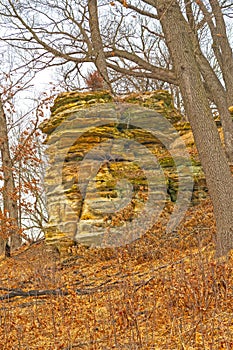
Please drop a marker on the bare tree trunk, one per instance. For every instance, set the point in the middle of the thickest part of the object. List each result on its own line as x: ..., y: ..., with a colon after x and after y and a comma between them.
x: 219, y: 97
x: 221, y: 40
x: 224, y: 55
x: 9, y: 202
x: 218, y: 94
x: 100, y: 60
x: 212, y: 155
x: 2, y: 241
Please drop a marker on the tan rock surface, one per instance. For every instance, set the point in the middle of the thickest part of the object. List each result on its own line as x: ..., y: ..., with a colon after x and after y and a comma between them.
x: 82, y: 179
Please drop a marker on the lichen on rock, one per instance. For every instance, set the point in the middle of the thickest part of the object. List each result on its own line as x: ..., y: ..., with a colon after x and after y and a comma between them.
x: 81, y: 181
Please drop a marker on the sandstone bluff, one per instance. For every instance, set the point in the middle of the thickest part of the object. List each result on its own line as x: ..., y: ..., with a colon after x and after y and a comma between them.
x: 81, y: 180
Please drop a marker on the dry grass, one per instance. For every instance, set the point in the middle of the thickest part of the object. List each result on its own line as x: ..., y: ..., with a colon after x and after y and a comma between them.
x: 161, y: 292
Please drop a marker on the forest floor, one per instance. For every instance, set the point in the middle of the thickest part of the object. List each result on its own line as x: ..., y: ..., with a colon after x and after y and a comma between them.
x: 161, y: 292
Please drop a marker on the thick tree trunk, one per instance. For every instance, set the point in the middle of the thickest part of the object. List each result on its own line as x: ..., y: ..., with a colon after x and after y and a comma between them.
x: 9, y: 203
x: 216, y: 91
x: 212, y: 155
x: 219, y: 97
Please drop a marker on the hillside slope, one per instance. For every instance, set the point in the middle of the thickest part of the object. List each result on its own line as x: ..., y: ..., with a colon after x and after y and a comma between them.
x: 161, y: 292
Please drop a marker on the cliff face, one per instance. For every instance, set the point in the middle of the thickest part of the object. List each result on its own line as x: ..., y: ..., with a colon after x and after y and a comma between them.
x: 114, y: 164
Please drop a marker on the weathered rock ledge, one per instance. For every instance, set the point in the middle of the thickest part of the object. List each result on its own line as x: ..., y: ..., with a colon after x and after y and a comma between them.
x: 95, y: 184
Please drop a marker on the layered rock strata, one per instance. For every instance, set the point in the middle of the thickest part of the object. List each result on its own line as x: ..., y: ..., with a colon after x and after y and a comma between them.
x: 109, y: 158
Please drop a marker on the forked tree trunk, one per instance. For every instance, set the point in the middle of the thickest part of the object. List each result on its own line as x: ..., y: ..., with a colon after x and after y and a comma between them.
x: 9, y: 202
x: 220, y: 95
x: 211, y: 153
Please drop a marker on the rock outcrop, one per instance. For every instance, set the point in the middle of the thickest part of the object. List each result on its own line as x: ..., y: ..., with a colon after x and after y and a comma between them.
x: 102, y: 171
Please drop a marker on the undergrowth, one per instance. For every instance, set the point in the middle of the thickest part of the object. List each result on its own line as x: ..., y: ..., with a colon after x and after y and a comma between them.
x: 161, y: 292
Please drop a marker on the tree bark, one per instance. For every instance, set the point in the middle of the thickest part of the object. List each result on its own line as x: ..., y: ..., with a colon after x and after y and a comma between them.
x: 99, y: 56
x: 220, y: 99
x: 212, y: 155
x: 217, y: 93
x: 9, y: 202
x: 220, y: 39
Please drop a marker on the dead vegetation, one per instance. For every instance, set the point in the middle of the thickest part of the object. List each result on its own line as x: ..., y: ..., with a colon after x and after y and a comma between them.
x: 161, y: 292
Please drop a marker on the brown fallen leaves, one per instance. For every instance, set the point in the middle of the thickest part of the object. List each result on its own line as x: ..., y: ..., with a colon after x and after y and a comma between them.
x: 161, y: 292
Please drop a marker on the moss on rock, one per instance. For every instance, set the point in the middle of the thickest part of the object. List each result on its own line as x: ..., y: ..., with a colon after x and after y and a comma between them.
x: 73, y: 206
